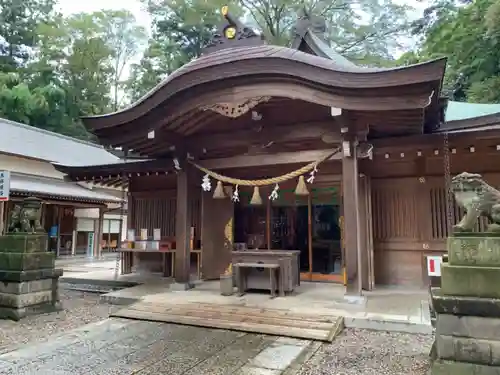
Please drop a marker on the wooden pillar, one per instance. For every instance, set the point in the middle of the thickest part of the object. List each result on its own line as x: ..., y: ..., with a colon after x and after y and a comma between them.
x: 95, y: 247
x: 366, y: 233
x: 183, y: 227
x: 127, y: 217
x: 59, y: 211
x: 216, y: 234
x: 309, y: 235
x: 108, y: 241
x: 73, y: 234
x: 350, y: 188
x: 269, y: 219
x: 98, y: 234
x: 74, y: 237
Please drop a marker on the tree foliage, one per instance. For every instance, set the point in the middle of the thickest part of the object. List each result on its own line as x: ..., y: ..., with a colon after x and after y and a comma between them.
x: 468, y: 34
x: 54, y: 69
x: 367, y: 31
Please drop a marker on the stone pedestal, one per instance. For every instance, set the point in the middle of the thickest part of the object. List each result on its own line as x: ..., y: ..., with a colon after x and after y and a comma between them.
x: 29, y: 282
x: 467, y: 307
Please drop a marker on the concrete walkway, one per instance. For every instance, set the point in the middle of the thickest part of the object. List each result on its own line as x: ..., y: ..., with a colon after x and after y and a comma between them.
x: 385, y: 309
x: 125, y: 347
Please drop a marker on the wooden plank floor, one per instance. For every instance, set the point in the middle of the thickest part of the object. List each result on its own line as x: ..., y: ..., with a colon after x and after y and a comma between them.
x: 239, y: 318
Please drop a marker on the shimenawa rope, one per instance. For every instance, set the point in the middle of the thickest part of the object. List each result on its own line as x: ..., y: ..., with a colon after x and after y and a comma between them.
x: 267, y: 181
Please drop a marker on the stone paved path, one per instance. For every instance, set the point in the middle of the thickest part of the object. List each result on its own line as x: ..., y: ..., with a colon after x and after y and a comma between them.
x: 125, y: 347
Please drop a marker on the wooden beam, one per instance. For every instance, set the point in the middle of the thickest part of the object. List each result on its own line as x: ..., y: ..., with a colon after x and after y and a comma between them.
x: 282, y: 133
x: 268, y: 159
x: 162, y: 135
x: 247, y: 137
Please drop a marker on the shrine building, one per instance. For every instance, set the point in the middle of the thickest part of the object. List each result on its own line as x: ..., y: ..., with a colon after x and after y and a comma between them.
x: 256, y: 146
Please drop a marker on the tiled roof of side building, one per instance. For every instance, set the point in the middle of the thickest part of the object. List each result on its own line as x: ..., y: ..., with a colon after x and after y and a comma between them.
x: 49, y: 187
x: 24, y: 140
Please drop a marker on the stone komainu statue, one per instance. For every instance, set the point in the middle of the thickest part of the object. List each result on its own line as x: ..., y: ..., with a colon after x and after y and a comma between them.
x: 25, y: 218
x: 478, y: 199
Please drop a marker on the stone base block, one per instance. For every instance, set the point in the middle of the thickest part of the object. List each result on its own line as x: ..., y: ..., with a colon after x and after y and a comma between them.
x: 19, y: 276
x: 440, y: 367
x: 23, y: 243
x: 464, y: 305
x: 17, y: 314
x: 468, y: 349
x: 469, y: 339
x: 21, y: 298
x: 468, y: 326
x: 26, y: 261
x: 475, y: 249
x: 470, y: 281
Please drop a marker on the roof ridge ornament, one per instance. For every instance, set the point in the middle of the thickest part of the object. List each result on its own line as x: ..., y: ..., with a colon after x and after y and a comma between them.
x: 233, y: 33
x: 306, y: 21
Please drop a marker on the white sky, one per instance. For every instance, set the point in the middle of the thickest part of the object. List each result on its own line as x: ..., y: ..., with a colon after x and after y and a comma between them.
x: 72, y: 6
x: 75, y: 6
x: 134, y: 6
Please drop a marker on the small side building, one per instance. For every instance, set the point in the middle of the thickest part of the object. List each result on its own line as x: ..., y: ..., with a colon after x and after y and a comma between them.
x: 73, y: 213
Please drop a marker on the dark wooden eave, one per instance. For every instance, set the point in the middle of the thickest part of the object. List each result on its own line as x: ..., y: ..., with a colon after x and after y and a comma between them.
x: 178, y: 100
x: 218, y: 73
x: 309, y: 36
x: 58, y: 198
x: 484, y: 127
x: 116, y: 174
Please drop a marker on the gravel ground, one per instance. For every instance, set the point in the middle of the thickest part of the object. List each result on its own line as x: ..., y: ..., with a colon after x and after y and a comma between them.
x: 362, y: 352
x: 79, y: 309
x: 355, y: 352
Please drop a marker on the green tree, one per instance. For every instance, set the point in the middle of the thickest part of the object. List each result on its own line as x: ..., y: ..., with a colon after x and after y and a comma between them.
x: 18, y: 23
x: 468, y: 34
x: 156, y: 62
x: 367, y: 31
x: 43, y: 106
x: 75, y: 67
x: 180, y: 30
x: 125, y: 38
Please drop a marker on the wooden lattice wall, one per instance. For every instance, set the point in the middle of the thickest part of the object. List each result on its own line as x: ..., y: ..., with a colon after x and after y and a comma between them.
x: 159, y: 212
x: 409, y: 222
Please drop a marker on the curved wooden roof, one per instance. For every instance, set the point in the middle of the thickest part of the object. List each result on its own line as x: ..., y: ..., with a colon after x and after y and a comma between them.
x: 237, y: 68
x: 249, y: 65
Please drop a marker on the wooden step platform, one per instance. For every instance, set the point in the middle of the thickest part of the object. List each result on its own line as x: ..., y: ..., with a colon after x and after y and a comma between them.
x: 238, y: 318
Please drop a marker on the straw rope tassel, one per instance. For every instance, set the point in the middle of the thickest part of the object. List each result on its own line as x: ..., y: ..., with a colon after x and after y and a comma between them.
x: 256, y: 198
x: 301, y: 188
x: 219, y: 191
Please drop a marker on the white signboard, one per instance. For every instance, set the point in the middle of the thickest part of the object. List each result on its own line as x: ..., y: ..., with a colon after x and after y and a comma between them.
x: 131, y: 235
x: 434, y: 265
x: 4, y: 185
x: 157, y: 234
x: 90, y: 244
